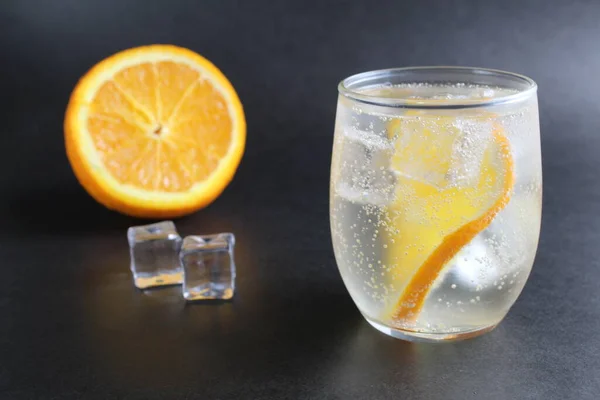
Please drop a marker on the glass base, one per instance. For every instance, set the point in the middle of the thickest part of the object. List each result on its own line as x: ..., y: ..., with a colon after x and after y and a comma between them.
x: 415, y: 336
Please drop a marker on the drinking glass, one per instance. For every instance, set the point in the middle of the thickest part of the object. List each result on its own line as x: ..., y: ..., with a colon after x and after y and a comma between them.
x: 436, y: 197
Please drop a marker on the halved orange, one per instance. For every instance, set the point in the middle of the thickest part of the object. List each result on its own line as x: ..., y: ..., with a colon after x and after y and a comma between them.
x: 155, y: 131
x: 432, y: 224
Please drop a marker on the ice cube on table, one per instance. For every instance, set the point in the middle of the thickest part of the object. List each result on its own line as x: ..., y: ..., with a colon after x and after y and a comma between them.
x: 154, y: 251
x: 209, y: 267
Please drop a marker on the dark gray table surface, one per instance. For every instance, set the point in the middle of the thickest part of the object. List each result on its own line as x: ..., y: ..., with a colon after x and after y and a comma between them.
x: 73, y: 327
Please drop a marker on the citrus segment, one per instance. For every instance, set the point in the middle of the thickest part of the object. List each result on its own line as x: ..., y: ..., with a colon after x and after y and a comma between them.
x: 154, y: 131
x: 139, y: 82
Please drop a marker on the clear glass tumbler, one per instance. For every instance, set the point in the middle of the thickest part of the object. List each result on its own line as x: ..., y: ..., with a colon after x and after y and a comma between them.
x: 436, y: 197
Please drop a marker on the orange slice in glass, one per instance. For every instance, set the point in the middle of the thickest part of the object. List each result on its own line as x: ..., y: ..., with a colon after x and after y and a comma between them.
x: 431, y: 224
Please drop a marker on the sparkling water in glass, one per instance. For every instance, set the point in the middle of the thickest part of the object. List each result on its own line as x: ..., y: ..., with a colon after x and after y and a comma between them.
x: 435, y: 197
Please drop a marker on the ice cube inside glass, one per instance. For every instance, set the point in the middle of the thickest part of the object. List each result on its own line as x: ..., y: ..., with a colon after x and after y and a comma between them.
x: 154, y: 251
x: 209, y: 268
x: 442, y: 151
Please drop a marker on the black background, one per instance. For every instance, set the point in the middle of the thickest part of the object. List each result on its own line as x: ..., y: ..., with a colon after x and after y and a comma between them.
x: 71, y: 324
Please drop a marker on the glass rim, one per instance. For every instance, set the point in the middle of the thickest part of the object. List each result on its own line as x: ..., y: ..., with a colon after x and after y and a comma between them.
x: 521, y: 94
